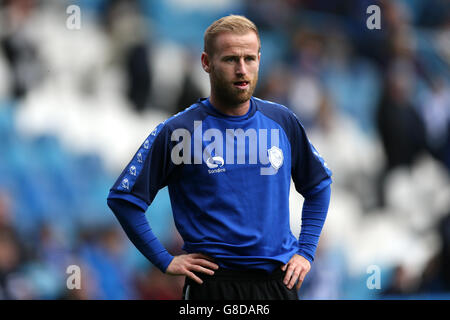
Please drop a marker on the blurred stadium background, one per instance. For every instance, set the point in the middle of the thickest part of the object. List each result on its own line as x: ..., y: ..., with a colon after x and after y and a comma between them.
x: 76, y: 104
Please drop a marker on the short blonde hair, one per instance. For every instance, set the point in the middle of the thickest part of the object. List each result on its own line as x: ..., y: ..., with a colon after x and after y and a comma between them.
x: 233, y: 23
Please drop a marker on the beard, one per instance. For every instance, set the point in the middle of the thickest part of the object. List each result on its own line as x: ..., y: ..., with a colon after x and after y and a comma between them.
x: 226, y: 92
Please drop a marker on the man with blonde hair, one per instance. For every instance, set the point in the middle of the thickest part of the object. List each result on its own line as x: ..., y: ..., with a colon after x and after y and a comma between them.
x: 228, y: 161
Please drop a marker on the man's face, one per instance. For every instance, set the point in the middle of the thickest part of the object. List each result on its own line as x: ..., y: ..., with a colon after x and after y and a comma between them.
x: 233, y: 67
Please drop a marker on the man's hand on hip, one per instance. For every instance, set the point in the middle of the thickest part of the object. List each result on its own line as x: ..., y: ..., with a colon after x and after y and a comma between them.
x: 296, y: 269
x: 186, y: 264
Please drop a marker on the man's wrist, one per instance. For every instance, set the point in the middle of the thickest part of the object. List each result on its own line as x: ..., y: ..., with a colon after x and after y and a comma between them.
x: 164, y: 258
x: 306, y: 255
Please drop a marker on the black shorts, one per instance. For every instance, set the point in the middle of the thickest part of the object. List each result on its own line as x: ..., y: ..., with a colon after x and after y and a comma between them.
x: 228, y: 284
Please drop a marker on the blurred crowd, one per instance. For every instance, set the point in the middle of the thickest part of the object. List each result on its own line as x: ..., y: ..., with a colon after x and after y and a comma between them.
x: 75, y: 104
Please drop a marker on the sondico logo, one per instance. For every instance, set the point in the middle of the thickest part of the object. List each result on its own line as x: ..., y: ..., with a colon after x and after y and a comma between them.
x: 215, y: 162
x: 236, y: 142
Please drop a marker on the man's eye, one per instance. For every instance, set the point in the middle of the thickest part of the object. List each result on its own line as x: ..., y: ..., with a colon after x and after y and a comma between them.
x: 229, y: 59
x: 250, y: 58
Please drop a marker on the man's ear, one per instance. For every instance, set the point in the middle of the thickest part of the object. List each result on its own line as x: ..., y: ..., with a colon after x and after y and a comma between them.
x: 206, y: 62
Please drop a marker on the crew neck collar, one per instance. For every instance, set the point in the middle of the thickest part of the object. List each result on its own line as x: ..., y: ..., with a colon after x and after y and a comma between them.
x: 213, y: 110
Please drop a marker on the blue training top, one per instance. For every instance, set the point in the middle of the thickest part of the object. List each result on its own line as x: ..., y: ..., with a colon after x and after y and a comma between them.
x: 229, y: 180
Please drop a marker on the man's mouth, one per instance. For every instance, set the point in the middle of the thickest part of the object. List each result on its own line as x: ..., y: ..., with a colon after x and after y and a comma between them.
x: 241, y: 84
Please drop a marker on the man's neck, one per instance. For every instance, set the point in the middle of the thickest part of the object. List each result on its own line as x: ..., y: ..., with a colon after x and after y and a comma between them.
x: 230, y: 110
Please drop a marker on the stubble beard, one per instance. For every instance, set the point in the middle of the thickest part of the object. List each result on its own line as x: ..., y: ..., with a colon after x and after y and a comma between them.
x: 229, y: 95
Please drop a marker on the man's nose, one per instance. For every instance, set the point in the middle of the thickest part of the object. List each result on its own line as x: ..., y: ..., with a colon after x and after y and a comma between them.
x: 241, y: 68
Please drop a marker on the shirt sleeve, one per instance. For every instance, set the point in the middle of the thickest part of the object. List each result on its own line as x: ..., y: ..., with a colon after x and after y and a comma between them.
x: 148, y: 171
x: 312, y: 179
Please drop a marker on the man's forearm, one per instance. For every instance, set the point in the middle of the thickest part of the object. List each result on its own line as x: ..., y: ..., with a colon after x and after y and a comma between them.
x: 314, y: 213
x: 138, y: 230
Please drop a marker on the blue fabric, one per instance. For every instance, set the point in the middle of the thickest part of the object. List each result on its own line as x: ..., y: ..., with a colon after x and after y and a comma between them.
x: 230, y: 190
x: 314, y: 213
x: 138, y: 230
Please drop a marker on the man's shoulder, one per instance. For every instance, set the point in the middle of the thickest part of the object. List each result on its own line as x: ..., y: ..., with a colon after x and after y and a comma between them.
x: 181, y: 120
x: 185, y: 118
x: 270, y: 105
x: 275, y: 111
